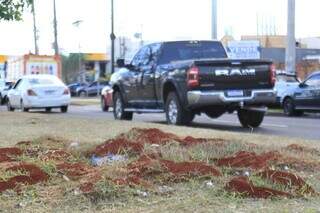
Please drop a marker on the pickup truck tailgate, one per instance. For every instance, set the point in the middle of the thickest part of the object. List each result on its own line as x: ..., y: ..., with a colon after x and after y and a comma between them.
x: 234, y: 74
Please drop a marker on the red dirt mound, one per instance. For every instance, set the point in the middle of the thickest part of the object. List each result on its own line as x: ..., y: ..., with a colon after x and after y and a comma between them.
x: 116, y: 146
x: 6, y: 153
x: 36, y: 175
x: 148, y: 165
x: 287, y: 179
x: 299, y: 148
x: 244, y: 186
x: 56, y: 155
x: 249, y: 159
x: 156, y: 136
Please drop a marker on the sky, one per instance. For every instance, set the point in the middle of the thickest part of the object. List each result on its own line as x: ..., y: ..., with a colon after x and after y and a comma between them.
x: 156, y: 19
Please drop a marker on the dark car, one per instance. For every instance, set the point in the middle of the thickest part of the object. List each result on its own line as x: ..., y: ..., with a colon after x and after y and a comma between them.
x: 186, y: 78
x: 73, y: 87
x: 92, y: 89
x: 4, y: 91
x: 304, y: 97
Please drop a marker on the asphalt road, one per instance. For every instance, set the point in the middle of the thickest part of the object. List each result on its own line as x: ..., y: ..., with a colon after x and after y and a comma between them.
x: 306, y: 127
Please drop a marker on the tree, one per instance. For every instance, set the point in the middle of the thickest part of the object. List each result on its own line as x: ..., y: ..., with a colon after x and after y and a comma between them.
x: 71, y: 66
x: 11, y: 10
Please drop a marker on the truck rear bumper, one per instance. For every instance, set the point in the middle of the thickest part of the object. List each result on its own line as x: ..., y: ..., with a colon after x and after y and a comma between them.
x: 207, y: 98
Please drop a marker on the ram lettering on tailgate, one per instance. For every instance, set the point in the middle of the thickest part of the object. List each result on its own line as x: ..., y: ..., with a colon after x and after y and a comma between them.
x: 233, y: 72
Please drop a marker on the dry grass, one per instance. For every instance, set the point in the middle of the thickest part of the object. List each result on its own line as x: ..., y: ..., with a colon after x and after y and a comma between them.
x: 191, y: 196
x: 85, y: 101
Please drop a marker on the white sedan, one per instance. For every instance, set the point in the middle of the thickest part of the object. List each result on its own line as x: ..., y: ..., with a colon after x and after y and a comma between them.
x: 39, y: 92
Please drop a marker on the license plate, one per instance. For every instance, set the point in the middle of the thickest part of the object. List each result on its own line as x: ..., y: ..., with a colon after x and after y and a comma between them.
x: 49, y: 92
x: 235, y: 93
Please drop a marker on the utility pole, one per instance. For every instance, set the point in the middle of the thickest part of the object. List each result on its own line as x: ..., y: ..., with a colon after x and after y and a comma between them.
x: 36, y: 48
x: 291, y: 40
x: 112, y: 37
x: 77, y: 25
x: 56, y: 47
x: 214, y: 34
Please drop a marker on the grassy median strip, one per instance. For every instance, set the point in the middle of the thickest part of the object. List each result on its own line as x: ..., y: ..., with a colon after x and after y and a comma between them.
x: 55, y: 143
x: 85, y: 101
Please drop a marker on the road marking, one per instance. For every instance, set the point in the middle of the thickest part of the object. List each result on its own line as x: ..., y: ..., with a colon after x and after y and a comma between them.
x: 263, y: 124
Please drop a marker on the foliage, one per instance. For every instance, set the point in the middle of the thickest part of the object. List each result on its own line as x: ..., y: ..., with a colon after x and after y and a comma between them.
x: 11, y: 10
x: 71, y: 66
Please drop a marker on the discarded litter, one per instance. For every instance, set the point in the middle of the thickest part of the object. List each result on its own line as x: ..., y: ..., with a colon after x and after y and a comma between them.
x: 142, y: 193
x: 209, y: 184
x: 108, y: 159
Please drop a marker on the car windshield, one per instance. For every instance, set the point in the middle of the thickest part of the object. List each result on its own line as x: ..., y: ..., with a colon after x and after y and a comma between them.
x: 185, y: 50
x: 285, y: 78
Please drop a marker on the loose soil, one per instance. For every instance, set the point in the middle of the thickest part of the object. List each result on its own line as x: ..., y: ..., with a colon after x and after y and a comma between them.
x: 36, y: 175
x: 8, y: 154
x: 287, y: 179
x: 249, y: 159
x: 245, y: 187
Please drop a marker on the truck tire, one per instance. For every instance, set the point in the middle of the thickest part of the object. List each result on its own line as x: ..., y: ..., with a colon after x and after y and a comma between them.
x: 250, y: 118
x: 175, y: 113
x: 118, y: 108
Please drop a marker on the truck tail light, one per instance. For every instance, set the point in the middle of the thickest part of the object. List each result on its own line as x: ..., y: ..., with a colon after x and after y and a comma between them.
x: 66, y: 92
x: 30, y: 92
x: 272, y: 74
x: 193, y: 77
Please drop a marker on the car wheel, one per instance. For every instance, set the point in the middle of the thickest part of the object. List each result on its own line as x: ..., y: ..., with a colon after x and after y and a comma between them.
x: 289, y: 107
x: 64, y: 109
x: 22, y: 107
x: 175, y: 113
x: 249, y: 118
x: 48, y: 109
x: 118, y: 108
x: 82, y: 94
x: 9, y: 107
x: 104, y: 105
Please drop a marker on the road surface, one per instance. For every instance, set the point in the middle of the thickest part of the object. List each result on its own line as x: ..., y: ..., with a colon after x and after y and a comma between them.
x: 306, y: 127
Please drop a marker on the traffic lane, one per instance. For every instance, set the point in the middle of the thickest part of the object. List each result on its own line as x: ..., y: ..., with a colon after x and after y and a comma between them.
x: 297, y: 127
x: 305, y: 127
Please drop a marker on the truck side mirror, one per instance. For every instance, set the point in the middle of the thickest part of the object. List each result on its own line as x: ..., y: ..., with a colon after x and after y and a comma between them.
x: 120, y: 63
x: 303, y: 85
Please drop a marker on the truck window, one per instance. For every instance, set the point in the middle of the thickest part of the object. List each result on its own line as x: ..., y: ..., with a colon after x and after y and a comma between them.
x: 187, y: 50
x: 142, y: 57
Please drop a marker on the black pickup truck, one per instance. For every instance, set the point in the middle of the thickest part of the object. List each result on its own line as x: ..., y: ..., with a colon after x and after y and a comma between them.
x: 187, y: 78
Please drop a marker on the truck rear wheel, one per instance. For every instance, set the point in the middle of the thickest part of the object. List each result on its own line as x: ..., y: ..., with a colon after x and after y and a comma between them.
x: 175, y: 113
x: 118, y: 108
x: 250, y: 118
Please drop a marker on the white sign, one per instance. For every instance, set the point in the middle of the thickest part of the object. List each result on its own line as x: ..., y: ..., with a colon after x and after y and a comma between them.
x: 244, y: 49
x: 42, y: 68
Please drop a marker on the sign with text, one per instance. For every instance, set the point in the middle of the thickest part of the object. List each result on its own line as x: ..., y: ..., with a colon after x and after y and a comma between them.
x: 244, y: 49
